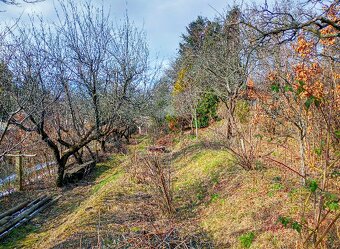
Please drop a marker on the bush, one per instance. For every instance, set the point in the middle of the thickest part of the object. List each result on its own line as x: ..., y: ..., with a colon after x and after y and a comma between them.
x: 207, y: 110
x: 247, y: 239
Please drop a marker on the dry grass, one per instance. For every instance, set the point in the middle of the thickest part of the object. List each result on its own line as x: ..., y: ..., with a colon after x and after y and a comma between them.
x: 233, y: 202
x: 230, y: 202
x: 250, y: 203
x: 71, y: 214
x: 216, y: 203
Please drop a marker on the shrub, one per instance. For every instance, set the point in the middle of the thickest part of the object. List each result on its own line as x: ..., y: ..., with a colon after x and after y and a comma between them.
x: 157, y: 175
x: 247, y: 239
x: 207, y: 110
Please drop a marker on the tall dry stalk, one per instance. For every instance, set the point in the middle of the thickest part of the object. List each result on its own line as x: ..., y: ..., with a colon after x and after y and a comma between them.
x: 157, y: 171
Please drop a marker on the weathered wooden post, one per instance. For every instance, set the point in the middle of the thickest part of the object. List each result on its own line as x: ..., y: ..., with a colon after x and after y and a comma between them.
x: 19, y: 171
x: 19, y: 168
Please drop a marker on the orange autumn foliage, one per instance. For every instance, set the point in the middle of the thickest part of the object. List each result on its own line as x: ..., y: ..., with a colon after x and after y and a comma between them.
x: 303, y: 47
x: 329, y: 32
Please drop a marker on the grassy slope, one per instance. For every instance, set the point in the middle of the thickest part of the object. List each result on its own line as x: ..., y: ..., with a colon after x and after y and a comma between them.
x: 72, y: 214
x: 230, y: 202
x: 211, y: 193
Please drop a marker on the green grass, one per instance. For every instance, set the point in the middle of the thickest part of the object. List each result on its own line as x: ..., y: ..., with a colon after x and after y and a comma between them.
x: 16, y: 238
x: 107, y: 172
x: 234, y: 207
x: 247, y: 239
x: 203, y: 166
x: 106, y: 181
x: 142, y: 143
x: 105, y: 175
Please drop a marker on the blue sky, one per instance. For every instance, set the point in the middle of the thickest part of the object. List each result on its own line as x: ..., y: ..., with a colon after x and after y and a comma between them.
x: 163, y: 20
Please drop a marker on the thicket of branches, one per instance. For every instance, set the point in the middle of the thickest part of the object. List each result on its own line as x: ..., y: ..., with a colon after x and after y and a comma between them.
x: 79, y: 80
x: 275, y: 71
x: 272, y: 71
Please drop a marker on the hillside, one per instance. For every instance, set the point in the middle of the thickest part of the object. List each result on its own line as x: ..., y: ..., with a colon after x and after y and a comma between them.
x: 218, y: 205
x: 137, y: 124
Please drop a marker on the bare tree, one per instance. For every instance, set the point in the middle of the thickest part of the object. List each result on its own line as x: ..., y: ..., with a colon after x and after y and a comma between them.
x: 285, y: 21
x: 226, y: 64
x: 76, y: 80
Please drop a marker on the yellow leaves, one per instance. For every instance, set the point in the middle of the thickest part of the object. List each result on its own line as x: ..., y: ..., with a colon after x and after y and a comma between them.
x: 316, y: 90
x: 309, y: 75
x: 250, y: 89
x: 315, y: 69
x: 178, y: 88
x: 250, y: 83
x: 301, y: 72
x: 306, y: 73
x: 336, y: 76
x: 309, y: 81
x: 180, y: 83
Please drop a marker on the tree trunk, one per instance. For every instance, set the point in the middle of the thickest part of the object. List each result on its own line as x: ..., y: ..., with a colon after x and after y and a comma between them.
x: 196, y: 124
x: 78, y: 158
x: 93, y: 156
x: 302, y: 154
x: 230, y: 117
x: 117, y: 141
x: 60, y: 173
x: 103, y: 145
x: 229, y: 128
x: 191, y: 125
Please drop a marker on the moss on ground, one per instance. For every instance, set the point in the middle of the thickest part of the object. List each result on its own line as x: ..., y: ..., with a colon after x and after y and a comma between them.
x: 18, y: 238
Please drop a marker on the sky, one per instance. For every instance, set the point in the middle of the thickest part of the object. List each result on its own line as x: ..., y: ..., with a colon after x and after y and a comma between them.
x: 163, y: 20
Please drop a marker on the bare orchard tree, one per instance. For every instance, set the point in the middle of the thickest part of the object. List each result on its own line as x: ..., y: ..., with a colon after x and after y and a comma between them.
x: 130, y: 75
x: 85, y: 38
x: 5, y: 116
x: 74, y: 80
x: 225, y: 64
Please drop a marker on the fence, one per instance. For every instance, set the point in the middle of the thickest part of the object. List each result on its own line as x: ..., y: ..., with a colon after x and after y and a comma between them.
x: 19, y: 170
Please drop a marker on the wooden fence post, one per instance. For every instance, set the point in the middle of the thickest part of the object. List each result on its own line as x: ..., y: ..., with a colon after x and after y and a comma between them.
x: 19, y: 168
x: 19, y: 171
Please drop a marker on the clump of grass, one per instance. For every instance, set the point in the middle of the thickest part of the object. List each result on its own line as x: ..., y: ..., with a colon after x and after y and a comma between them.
x: 143, y: 143
x: 214, y: 197
x: 247, y: 239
